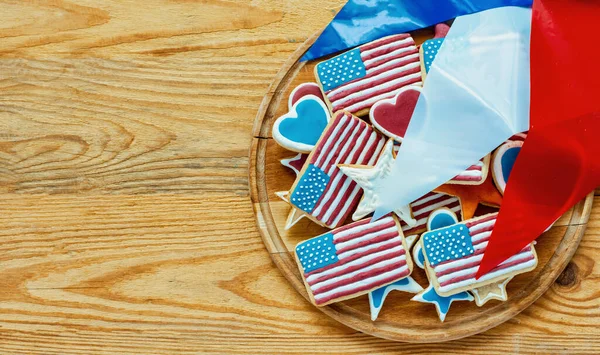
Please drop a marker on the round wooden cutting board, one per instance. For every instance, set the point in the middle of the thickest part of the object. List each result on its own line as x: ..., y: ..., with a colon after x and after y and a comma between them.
x: 400, y: 318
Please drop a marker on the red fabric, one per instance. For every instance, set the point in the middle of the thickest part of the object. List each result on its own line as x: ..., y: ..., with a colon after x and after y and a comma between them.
x: 559, y: 163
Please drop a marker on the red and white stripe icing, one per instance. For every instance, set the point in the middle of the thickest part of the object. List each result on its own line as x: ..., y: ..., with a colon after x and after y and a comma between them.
x: 348, y: 140
x: 370, y: 255
x: 391, y: 63
x: 423, y: 207
x: 457, y: 274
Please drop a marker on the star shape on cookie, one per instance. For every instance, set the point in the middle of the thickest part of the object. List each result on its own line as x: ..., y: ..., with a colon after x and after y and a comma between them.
x: 442, y: 304
x: 295, y: 163
x: 472, y: 195
x: 378, y: 296
x: 295, y: 214
x: 495, y: 291
x: 368, y: 178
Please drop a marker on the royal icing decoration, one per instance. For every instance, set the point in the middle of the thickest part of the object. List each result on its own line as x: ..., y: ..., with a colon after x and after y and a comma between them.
x: 474, y: 175
x: 392, y: 116
x: 368, y: 178
x: 495, y: 291
x: 423, y: 207
x: 429, y: 50
x: 355, y: 80
x: 321, y: 190
x: 353, y: 260
x: 442, y: 303
x: 295, y: 215
x: 377, y: 297
x: 453, y: 255
x: 295, y: 163
x: 438, y: 219
x: 303, y: 90
x: 300, y: 129
x: 502, y: 162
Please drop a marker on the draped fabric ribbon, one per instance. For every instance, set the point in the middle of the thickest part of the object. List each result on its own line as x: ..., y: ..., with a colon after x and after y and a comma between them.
x: 361, y: 21
x: 559, y: 163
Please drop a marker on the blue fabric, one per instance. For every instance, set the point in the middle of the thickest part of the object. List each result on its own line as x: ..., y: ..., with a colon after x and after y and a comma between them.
x: 362, y: 21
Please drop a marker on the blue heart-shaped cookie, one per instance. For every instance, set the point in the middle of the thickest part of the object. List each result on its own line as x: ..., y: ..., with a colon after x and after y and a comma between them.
x: 300, y: 129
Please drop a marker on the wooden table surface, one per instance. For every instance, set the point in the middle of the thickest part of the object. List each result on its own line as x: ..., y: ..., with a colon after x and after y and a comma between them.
x: 126, y: 223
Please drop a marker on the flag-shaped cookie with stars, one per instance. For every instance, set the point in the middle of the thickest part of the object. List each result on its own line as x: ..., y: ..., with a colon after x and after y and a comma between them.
x: 353, y: 260
x: 357, y: 79
x: 321, y: 191
x: 453, y: 255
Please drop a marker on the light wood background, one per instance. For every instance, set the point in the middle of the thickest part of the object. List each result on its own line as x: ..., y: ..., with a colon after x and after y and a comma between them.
x: 125, y: 220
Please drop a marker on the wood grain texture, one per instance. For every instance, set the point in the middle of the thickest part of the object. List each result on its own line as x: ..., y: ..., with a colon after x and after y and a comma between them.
x: 126, y: 224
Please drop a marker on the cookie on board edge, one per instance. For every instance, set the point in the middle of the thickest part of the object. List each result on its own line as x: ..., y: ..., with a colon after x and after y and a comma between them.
x: 453, y: 255
x: 353, y: 260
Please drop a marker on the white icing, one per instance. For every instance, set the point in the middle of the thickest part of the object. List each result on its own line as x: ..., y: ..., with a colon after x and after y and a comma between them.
x: 367, y: 80
x: 349, y: 145
x: 418, y: 248
x: 499, y: 294
x: 287, y: 143
x: 425, y: 200
x: 490, y: 276
x: 366, y: 282
x: 477, y: 238
x: 332, y: 138
x: 366, y: 237
x: 363, y: 227
x: 389, y: 55
x: 367, y: 179
x: 294, y: 217
x: 357, y: 188
x: 435, y: 206
x: 384, y: 263
x: 481, y: 226
x: 393, y: 62
x: 386, y: 46
x: 367, y: 248
x: 298, y: 88
x: 423, y: 221
x: 353, y: 263
x: 338, y: 141
x: 471, y: 173
x: 462, y: 272
x: 383, y: 75
x: 374, y: 99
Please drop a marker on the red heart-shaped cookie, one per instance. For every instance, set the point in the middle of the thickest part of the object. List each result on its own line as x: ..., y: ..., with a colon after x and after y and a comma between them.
x: 392, y: 116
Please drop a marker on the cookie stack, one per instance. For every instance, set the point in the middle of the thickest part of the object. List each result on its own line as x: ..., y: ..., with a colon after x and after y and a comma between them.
x: 346, y: 128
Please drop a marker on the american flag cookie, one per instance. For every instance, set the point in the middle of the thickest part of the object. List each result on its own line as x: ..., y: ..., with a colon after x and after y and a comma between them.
x: 453, y: 254
x: 357, y: 79
x: 353, y: 260
x: 430, y: 48
x: 439, y: 218
x: 321, y: 191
